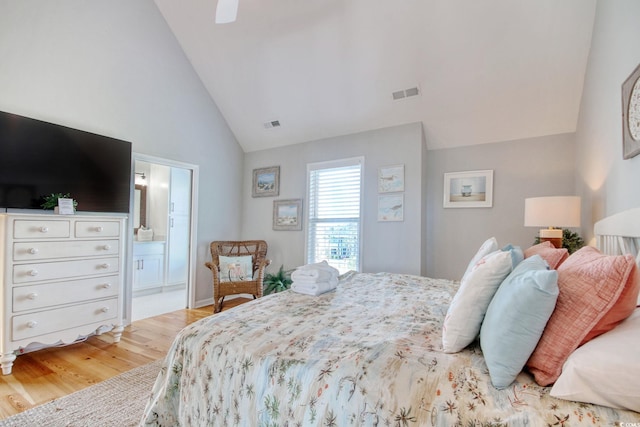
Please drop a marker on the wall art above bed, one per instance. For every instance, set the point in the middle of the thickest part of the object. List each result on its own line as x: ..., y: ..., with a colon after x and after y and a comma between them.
x: 471, y: 189
x: 631, y: 115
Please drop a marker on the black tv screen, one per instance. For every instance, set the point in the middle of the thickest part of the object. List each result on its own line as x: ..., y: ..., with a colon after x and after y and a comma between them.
x: 39, y: 158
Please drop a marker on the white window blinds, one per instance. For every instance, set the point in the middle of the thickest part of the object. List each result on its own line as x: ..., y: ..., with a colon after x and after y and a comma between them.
x: 333, y: 223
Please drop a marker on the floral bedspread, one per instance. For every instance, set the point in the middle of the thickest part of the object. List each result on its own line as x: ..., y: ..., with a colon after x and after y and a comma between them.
x: 367, y: 354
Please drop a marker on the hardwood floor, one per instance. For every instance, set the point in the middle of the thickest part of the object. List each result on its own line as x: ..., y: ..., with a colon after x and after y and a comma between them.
x: 41, y: 376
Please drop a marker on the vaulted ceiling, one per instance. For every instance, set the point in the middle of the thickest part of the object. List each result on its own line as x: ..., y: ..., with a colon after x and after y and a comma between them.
x: 486, y: 70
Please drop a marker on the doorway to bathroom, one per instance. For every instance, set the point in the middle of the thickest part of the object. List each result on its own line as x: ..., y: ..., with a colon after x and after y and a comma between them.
x: 162, y: 233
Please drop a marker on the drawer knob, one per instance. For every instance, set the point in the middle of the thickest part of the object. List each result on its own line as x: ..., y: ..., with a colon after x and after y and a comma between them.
x: 32, y: 295
x: 105, y: 265
x: 44, y: 229
x: 33, y: 251
x: 99, y: 229
x: 106, y: 285
x: 106, y: 247
x: 32, y: 324
x: 33, y: 273
x: 104, y: 309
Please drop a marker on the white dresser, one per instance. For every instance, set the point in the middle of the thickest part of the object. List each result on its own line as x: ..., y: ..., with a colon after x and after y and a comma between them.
x: 62, y: 278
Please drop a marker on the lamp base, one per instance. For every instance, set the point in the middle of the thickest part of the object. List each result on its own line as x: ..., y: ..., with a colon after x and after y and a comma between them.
x: 553, y: 235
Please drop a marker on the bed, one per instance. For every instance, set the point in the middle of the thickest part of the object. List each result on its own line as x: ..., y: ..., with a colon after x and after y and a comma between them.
x: 369, y: 353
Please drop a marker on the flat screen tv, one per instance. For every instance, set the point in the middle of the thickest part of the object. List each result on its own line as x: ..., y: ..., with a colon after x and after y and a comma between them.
x: 39, y: 158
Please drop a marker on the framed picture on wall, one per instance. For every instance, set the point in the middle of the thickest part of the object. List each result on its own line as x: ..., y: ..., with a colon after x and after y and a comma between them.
x: 471, y: 189
x: 287, y: 214
x: 391, y: 179
x: 266, y: 182
x: 391, y: 207
x: 631, y: 115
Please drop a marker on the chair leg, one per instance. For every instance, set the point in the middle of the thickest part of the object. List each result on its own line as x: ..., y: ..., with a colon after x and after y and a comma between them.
x: 217, y: 307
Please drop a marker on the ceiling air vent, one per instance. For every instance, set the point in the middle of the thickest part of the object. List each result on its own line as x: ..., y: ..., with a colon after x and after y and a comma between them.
x: 401, y: 94
x: 272, y: 124
x: 398, y: 95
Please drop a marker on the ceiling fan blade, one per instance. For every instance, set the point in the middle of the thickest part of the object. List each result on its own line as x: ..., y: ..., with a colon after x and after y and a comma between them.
x: 226, y: 11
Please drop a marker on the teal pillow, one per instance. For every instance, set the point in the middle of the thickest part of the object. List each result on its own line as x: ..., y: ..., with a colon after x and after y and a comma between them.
x: 517, y: 254
x: 516, y: 317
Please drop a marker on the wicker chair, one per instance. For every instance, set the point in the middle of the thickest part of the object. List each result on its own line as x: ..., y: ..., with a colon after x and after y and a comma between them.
x: 258, y: 251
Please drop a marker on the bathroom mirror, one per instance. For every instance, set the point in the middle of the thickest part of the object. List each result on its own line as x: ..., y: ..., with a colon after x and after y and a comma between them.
x: 139, y: 207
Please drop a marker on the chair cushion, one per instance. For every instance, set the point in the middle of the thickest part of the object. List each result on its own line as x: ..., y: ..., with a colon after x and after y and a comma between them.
x: 236, y: 268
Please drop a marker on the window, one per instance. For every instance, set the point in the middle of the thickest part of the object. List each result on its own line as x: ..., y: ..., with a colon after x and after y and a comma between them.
x: 333, y: 219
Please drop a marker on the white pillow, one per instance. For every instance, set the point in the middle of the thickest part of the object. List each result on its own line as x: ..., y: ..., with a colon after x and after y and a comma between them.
x: 236, y: 268
x: 489, y: 245
x: 605, y: 370
x: 469, y: 305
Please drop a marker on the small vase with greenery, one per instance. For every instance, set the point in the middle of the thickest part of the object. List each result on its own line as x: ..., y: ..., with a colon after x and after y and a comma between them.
x: 281, y: 281
x: 51, y: 201
x: 570, y: 240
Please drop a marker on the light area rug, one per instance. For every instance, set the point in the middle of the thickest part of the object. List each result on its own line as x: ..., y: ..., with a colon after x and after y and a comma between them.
x: 118, y: 401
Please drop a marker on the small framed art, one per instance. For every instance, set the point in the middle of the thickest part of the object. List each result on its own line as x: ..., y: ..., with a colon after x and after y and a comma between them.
x: 472, y: 189
x: 391, y: 207
x: 266, y: 182
x: 391, y: 179
x: 287, y: 214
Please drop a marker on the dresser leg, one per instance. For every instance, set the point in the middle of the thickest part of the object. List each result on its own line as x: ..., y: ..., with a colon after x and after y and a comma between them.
x: 117, y: 333
x: 6, y: 361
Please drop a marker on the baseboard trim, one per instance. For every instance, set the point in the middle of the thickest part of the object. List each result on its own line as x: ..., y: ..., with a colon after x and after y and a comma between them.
x: 209, y: 301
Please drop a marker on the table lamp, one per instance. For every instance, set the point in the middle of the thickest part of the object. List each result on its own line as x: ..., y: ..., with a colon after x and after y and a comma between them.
x: 554, y: 213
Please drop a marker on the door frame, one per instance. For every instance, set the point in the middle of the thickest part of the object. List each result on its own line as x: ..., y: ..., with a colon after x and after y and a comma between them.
x: 193, y: 227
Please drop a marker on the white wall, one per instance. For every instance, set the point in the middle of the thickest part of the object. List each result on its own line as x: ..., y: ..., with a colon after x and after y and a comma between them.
x: 113, y: 67
x: 607, y: 183
x: 158, y: 199
x: 387, y: 246
x: 525, y: 168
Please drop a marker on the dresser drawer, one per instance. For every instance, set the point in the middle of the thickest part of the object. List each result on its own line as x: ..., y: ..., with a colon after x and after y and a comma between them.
x: 38, y: 272
x: 45, y: 322
x: 36, y: 229
x: 53, y: 294
x: 24, y: 251
x: 97, y: 229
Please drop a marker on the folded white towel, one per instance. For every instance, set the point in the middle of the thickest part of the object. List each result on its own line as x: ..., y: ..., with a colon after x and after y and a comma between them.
x: 313, y: 289
x: 317, y: 276
x: 321, y: 264
x: 314, y: 270
x: 307, y: 281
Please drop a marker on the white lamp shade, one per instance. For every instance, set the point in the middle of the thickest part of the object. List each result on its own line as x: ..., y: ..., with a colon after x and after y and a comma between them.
x: 558, y: 211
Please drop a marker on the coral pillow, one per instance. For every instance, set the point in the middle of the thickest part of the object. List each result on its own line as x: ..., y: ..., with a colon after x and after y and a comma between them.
x: 624, y: 306
x: 554, y: 256
x: 590, y: 283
